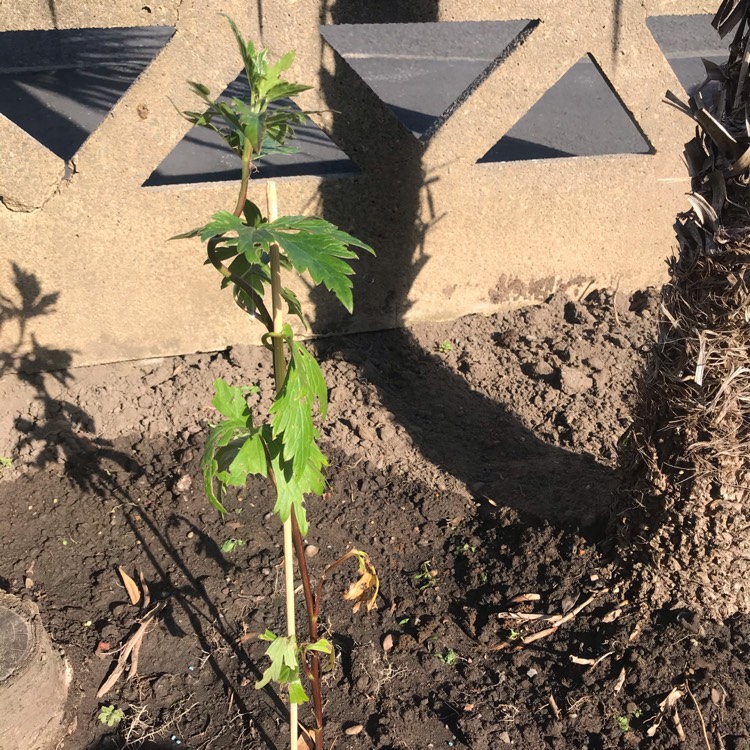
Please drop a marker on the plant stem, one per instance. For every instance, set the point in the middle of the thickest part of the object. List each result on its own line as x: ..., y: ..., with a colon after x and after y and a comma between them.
x: 247, y: 152
x: 312, y: 621
x: 279, y: 374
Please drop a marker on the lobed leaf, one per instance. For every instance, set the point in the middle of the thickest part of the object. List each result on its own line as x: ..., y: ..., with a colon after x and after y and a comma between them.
x: 233, y: 447
x: 292, y: 410
x: 320, y: 248
x: 290, y: 488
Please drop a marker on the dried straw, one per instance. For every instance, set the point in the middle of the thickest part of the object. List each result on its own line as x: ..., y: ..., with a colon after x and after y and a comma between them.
x: 682, y: 514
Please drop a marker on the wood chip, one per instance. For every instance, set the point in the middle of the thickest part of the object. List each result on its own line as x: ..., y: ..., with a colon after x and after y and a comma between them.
x: 582, y: 661
x: 134, y: 593
x: 678, y: 725
x: 557, y: 620
x: 525, y: 598
x: 620, y: 680
x: 553, y: 705
x: 612, y: 616
x: 589, y: 662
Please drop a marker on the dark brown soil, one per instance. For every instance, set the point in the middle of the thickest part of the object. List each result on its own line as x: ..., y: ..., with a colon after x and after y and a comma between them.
x: 473, y: 460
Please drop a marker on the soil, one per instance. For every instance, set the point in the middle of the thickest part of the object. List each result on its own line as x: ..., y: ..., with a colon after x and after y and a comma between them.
x: 473, y: 460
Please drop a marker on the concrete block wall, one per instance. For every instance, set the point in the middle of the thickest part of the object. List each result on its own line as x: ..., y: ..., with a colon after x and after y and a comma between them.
x: 87, y: 274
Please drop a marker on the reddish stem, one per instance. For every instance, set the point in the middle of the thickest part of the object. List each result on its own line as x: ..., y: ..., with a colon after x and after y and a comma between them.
x: 312, y: 620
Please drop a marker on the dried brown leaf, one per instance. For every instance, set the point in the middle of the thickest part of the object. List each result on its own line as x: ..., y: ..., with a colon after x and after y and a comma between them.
x: 134, y: 593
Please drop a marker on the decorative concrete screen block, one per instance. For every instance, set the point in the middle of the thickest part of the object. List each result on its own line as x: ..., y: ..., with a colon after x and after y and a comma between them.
x: 34, y: 680
x: 455, y: 231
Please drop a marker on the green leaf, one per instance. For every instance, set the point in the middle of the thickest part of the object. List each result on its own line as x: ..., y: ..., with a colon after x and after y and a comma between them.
x: 292, y: 410
x: 297, y: 693
x: 225, y: 441
x: 253, y: 125
x: 230, y: 401
x: 202, y: 91
x: 188, y: 235
x: 293, y: 304
x: 249, y: 459
x: 253, y: 215
x: 290, y: 488
x: 321, y: 645
x: 285, y: 90
x: 282, y: 64
x: 230, y: 545
x: 283, y: 655
x: 223, y: 221
x: 318, y: 247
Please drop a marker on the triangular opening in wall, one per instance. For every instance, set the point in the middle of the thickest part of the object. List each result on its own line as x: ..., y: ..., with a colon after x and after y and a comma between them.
x: 421, y: 70
x: 59, y: 85
x: 581, y: 115
x: 202, y: 155
x: 684, y: 40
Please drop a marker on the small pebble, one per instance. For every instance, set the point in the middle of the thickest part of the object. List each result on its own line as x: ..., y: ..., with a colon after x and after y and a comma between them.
x: 311, y: 550
x: 354, y: 729
x: 387, y: 642
x: 183, y: 483
x: 532, y: 672
x: 190, y: 534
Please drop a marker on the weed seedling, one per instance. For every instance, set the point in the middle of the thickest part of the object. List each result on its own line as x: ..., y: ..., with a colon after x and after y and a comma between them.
x: 426, y: 576
x: 624, y: 723
x: 6, y: 462
x: 445, y: 347
x: 230, y: 545
x: 110, y: 716
x: 249, y: 251
x: 449, y: 657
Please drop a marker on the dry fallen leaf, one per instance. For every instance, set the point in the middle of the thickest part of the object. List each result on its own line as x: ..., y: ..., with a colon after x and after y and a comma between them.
x: 306, y: 739
x: 366, y: 588
x: 145, y: 589
x: 134, y: 593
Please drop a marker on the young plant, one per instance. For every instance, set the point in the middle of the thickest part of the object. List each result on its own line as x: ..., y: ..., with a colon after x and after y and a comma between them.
x: 110, y: 716
x: 250, y: 250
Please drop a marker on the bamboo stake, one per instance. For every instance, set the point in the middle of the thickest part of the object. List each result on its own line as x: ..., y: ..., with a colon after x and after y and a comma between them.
x: 279, y: 373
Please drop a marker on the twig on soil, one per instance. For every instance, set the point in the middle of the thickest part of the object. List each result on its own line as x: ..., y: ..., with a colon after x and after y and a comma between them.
x: 589, y: 662
x: 556, y: 620
x: 620, y: 681
x: 700, y: 714
x: 141, y: 728
x: 668, y: 703
x: 525, y: 598
x: 553, y: 705
x: 678, y: 724
x: 129, y: 651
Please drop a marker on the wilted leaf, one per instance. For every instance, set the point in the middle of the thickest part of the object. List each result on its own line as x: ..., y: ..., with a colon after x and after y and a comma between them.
x: 366, y: 588
x: 131, y: 586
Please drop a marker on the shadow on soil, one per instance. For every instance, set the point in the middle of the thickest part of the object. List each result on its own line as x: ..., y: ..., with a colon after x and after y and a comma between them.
x: 467, y: 434
x: 67, y: 436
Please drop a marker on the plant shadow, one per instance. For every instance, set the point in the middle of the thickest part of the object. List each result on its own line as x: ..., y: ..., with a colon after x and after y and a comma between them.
x: 467, y: 434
